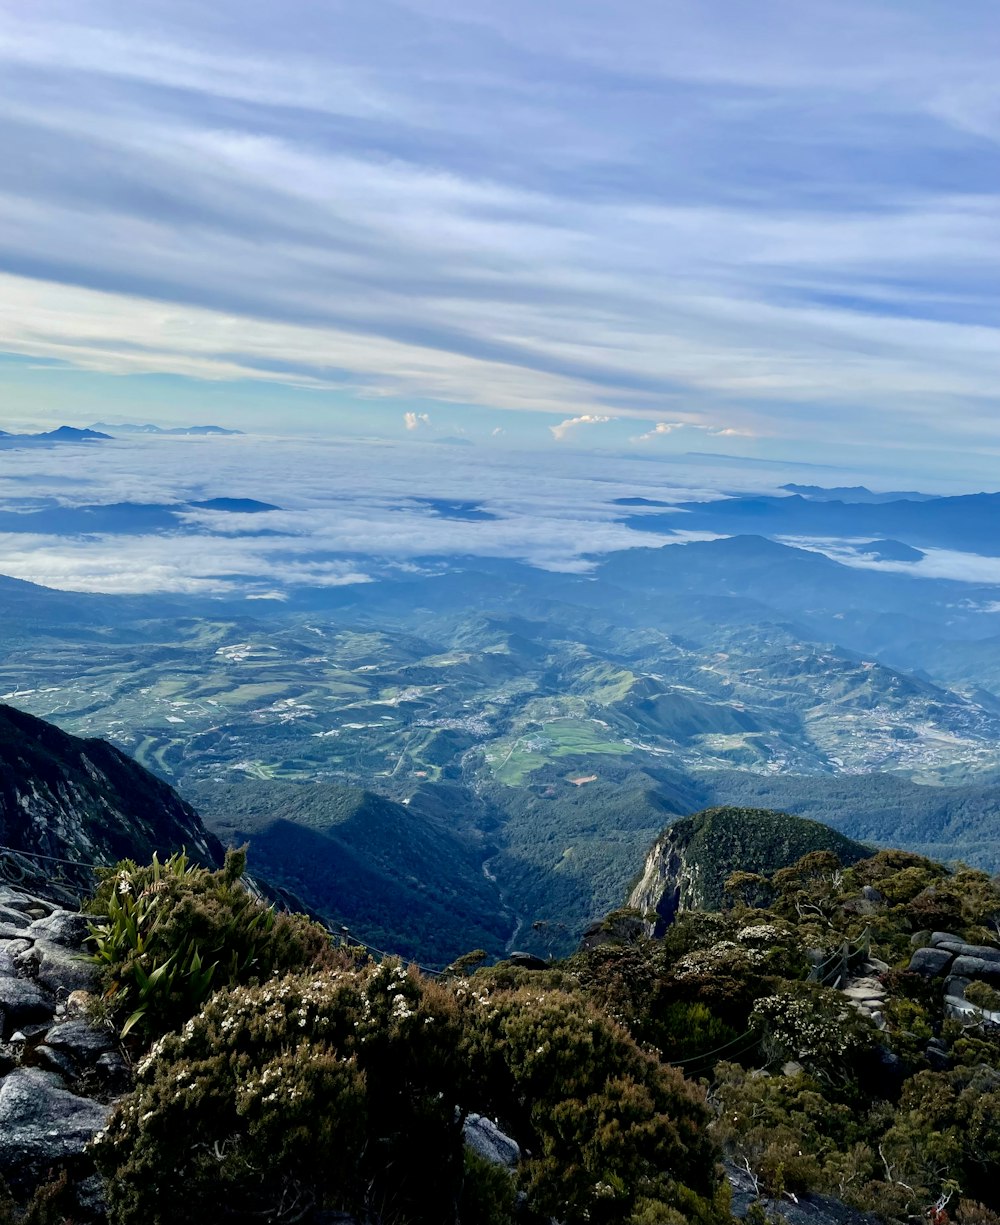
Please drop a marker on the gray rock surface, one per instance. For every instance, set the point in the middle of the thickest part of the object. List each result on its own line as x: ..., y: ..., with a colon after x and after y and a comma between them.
x: 62, y: 969
x: 49, y: 1051
x: 22, y: 1002
x: 41, y: 1123
x: 930, y: 961
x: 485, y: 1138
x: 63, y: 927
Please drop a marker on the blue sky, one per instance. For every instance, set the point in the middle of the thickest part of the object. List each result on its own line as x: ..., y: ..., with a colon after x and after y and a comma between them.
x: 650, y: 226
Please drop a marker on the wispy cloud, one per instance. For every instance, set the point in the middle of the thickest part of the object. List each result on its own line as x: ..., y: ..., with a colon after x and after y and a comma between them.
x: 413, y: 421
x: 482, y: 205
x: 663, y: 428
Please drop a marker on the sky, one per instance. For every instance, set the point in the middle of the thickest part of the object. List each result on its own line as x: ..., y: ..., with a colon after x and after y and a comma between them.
x: 648, y: 226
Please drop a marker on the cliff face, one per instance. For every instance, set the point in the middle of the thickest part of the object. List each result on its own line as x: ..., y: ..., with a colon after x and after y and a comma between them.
x: 687, y: 867
x: 84, y: 799
x: 669, y: 881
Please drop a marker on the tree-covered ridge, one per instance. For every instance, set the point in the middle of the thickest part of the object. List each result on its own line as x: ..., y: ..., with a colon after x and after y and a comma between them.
x: 691, y: 860
x: 811, y: 1036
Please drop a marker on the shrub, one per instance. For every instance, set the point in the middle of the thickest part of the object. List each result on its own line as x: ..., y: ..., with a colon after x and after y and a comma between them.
x: 174, y: 932
x: 340, y: 1090
x: 983, y: 996
x: 605, y: 1123
x: 817, y: 1027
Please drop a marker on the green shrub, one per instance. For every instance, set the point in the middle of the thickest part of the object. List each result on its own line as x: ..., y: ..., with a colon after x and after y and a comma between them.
x: 489, y: 1195
x: 173, y: 933
x: 605, y: 1123
x: 340, y: 1090
x: 983, y: 996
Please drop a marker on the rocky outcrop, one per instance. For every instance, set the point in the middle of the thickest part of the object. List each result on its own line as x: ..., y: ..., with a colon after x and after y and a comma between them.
x: 59, y: 1071
x: 83, y: 800
x: 945, y: 955
x: 668, y: 884
x: 688, y: 865
x: 806, y: 1209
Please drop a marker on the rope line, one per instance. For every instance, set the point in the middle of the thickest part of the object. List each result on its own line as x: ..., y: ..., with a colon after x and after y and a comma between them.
x: 73, y: 863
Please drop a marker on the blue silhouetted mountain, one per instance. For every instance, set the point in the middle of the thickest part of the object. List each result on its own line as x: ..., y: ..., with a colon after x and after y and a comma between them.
x: 970, y: 523
x: 51, y: 438
x: 120, y: 518
x: 236, y: 506
x: 857, y: 493
x: 889, y: 550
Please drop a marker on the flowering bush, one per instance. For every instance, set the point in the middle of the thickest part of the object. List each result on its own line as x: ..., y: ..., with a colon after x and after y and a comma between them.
x: 817, y: 1027
x: 340, y: 1090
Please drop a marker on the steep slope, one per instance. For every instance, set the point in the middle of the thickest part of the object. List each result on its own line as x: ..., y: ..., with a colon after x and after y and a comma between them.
x: 85, y: 800
x: 404, y: 877
x: 690, y: 861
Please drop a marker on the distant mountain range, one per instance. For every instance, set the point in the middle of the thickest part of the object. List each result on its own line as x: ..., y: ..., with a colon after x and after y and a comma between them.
x: 969, y: 523
x: 197, y: 430
x: 121, y: 518
x: 856, y: 493
x: 50, y: 438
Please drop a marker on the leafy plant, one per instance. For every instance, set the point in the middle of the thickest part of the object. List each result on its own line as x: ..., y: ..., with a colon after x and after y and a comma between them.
x: 173, y: 932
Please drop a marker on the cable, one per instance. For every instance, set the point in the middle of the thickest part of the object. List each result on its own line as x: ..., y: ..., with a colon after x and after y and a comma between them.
x: 707, y: 1054
x: 73, y: 863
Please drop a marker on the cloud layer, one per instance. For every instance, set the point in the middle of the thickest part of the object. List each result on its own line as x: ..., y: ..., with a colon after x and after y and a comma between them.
x: 769, y: 219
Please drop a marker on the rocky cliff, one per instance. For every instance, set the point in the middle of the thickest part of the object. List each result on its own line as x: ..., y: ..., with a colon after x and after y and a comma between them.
x: 85, y: 800
x: 688, y: 864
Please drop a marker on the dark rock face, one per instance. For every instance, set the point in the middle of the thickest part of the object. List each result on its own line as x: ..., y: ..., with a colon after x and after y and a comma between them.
x: 59, y: 1072
x: 83, y: 800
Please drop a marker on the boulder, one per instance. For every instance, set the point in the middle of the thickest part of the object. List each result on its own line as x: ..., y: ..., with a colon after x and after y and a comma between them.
x: 489, y: 1142
x: 55, y: 1061
x: 22, y: 1003
x: 25, y: 903
x: 60, y: 968
x: 81, y: 1041
x: 936, y: 938
x: 931, y: 961
x: 114, y: 1070
x: 977, y: 967
x: 64, y: 927
x: 527, y: 961
x: 14, y: 918
x: 42, y: 1124
x: 10, y: 951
